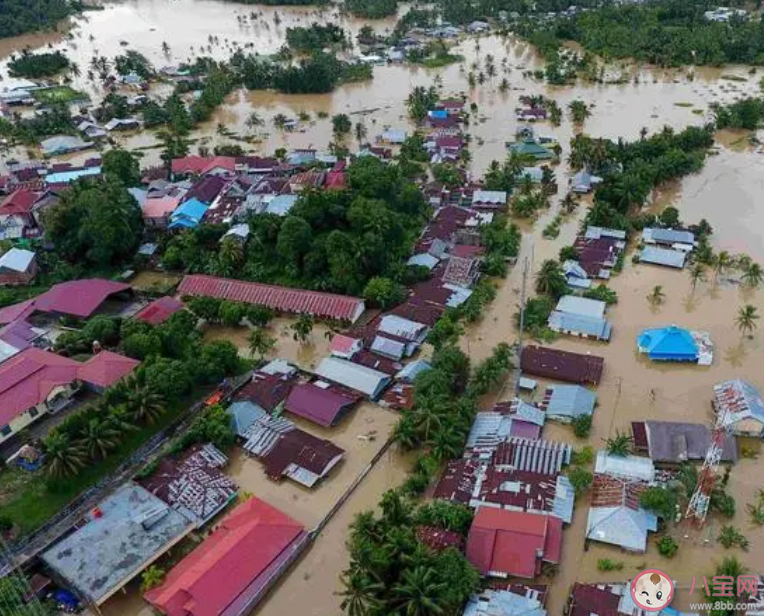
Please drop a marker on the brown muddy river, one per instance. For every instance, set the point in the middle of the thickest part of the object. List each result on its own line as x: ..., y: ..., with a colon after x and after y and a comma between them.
x: 728, y: 192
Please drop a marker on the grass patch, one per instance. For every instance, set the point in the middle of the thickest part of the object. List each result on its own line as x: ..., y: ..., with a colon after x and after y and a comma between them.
x: 37, y: 500
x: 440, y: 60
x: 59, y: 94
x: 683, y: 105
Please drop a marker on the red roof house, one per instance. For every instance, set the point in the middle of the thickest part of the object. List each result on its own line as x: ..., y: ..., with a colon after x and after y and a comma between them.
x: 158, y: 311
x: 232, y: 570
x: 105, y: 369
x: 322, y: 406
x: 562, y: 365
x: 43, y: 381
x: 504, y: 543
x: 78, y: 298
x: 16, y: 213
x: 282, y: 299
x: 203, y: 165
x: 345, y: 346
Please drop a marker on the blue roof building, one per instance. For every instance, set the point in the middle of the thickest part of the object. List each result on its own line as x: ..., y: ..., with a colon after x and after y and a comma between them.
x: 437, y: 114
x: 66, y: 177
x: 668, y: 344
x: 188, y: 215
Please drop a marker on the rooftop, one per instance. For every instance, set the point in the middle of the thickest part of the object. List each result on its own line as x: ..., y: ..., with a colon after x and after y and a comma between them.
x: 663, y: 256
x: 123, y: 534
x: 285, y: 299
x: 78, y: 298
x: 562, y: 365
x: 159, y: 310
x: 322, y: 405
x: 676, y: 442
x: 234, y: 567
x: 362, y: 379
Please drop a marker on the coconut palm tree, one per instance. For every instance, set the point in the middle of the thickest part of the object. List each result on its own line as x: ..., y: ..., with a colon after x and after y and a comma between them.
x: 120, y: 418
x: 360, y: 132
x: 405, y: 433
x: 260, y: 343
x: 722, y: 263
x: 99, y: 437
x: 550, y: 279
x: 145, y: 405
x: 64, y: 457
x: 302, y: 328
x: 579, y: 111
x: 427, y: 419
x: 657, y: 296
x: 697, y: 274
x: 619, y: 445
x: 359, y: 597
x: 232, y: 251
x: 165, y: 48
x: 254, y: 120
x: 730, y: 566
x: 447, y: 443
x: 753, y: 275
x: 746, y: 319
x: 419, y: 592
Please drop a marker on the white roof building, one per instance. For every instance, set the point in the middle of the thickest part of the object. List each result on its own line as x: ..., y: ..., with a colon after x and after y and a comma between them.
x: 628, y: 467
x: 355, y: 376
x: 582, y: 306
x: 17, y: 260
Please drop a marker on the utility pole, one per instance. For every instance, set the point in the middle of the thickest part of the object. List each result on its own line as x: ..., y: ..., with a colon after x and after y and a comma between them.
x: 526, y: 267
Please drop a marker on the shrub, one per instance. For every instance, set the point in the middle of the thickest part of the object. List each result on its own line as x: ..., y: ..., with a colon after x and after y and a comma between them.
x: 580, y: 479
x: 582, y: 426
x: 605, y: 564
x: 667, y: 546
x: 584, y: 456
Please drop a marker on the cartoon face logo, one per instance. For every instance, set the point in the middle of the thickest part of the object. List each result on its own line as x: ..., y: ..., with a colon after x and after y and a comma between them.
x: 652, y: 590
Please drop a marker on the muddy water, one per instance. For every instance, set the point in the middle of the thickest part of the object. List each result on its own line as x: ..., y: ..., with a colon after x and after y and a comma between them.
x: 306, y: 354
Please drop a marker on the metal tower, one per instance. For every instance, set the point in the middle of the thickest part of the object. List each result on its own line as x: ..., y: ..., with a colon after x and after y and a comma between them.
x: 14, y: 586
x: 698, y: 507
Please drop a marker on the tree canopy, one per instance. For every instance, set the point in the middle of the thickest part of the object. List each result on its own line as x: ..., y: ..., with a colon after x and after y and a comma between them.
x: 95, y: 223
x: 37, y: 65
x: 20, y: 16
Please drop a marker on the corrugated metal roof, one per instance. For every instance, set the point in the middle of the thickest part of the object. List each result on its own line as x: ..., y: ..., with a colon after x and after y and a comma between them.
x: 572, y: 304
x: 667, y: 236
x: 569, y: 401
x: 630, y: 467
x: 579, y: 324
x: 360, y: 378
x: 562, y: 365
x: 285, y: 299
x: 663, y: 256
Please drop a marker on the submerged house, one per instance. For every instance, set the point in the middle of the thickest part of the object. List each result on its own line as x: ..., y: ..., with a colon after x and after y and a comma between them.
x: 234, y: 568
x: 532, y: 149
x: 742, y: 407
x: 566, y: 403
x: 562, y: 365
x: 579, y: 316
x: 666, y: 257
x: 360, y: 378
x: 673, y: 343
x: 671, y: 443
x: 506, y: 544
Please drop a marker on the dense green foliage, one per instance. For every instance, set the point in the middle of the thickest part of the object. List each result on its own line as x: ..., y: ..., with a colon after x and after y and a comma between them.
x: 29, y: 130
x: 391, y: 572
x: 316, y: 37
x: 668, y: 33
x: 133, y: 62
x: 37, y: 65
x: 646, y: 164
x: 319, y: 73
x: 95, y: 223
x: 747, y: 113
x: 20, y: 16
x: 372, y: 9
x: 331, y: 240
x: 121, y: 166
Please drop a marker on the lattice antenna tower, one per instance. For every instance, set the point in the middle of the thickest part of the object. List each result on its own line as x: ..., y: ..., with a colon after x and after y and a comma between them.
x: 18, y: 591
x: 701, y: 497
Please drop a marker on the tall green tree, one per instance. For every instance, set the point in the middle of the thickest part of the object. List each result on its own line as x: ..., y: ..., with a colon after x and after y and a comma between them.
x: 746, y: 319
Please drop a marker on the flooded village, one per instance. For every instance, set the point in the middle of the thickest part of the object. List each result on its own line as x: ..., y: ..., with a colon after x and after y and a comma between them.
x: 271, y: 387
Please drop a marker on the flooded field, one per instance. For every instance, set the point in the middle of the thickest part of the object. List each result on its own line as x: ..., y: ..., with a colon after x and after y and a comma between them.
x: 727, y: 193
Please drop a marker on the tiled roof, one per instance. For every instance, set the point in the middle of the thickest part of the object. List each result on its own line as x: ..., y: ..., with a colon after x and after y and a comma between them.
x: 284, y: 299
x: 106, y: 368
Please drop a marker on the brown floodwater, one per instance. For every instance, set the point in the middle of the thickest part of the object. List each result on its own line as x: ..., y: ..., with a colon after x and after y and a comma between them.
x: 727, y: 192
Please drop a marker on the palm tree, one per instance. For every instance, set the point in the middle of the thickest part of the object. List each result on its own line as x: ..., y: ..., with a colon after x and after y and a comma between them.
x: 550, y: 279
x: 359, y: 597
x: 99, y: 438
x: 697, y: 274
x: 579, y: 111
x: 302, y: 328
x: 753, y: 275
x: 657, y: 296
x: 619, y: 445
x: 722, y: 263
x: 504, y: 85
x: 419, y: 592
x: 731, y: 566
x: 120, y: 418
x: 254, y: 120
x: 260, y: 343
x: 232, y: 251
x: 165, y: 48
x: 145, y: 405
x: 64, y: 457
x: 360, y: 132
x: 447, y: 443
x: 74, y: 69
x: 152, y: 577
x: 427, y: 417
x: 405, y: 433
x: 746, y: 319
